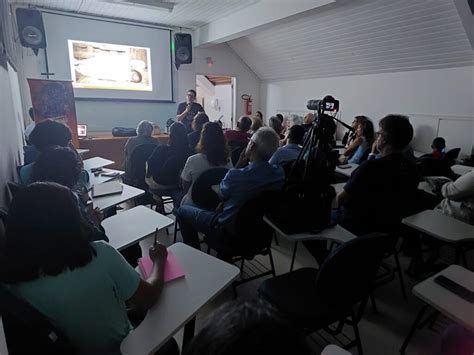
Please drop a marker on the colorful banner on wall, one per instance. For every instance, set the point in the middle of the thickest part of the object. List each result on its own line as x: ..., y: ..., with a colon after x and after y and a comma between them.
x: 54, y: 100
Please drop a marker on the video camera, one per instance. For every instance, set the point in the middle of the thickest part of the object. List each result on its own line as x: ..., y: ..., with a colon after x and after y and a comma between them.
x: 329, y: 103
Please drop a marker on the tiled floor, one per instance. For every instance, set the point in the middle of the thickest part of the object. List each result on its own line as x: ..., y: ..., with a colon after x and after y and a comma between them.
x: 381, y: 333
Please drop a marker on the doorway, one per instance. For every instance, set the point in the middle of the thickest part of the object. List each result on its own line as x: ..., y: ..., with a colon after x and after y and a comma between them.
x: 216, y: 95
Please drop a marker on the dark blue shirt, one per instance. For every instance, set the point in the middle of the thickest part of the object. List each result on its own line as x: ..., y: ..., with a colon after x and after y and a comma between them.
x: 382, y: 192
x: 241, y: 184
x: 195, y: 108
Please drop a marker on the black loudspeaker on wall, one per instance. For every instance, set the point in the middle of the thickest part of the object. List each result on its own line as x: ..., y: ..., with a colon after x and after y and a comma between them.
x: 31, y: 29
x: 183, y: 49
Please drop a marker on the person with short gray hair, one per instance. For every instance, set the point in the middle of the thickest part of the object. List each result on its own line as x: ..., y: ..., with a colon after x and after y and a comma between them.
x: 235, y: 189
x: 144, y: 136
x: 266, y: 142
x: 145, y: 129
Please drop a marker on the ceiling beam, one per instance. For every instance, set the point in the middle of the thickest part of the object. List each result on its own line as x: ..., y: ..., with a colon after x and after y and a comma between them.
x: 467, y: 18
x: 251, y: 19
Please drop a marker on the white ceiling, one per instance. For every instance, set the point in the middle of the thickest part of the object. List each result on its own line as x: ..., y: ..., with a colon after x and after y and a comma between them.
x: 360, y: 37
x: 186, y: 13
x: 348, y: 37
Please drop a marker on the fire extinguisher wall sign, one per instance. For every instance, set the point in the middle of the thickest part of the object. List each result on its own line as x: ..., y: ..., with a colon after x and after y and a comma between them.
x: 248, y: 103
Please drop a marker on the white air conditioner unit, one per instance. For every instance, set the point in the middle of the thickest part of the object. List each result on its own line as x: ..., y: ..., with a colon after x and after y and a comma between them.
x: 149, y: 4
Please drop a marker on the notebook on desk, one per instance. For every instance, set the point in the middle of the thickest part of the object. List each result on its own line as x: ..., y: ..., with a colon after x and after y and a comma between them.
x: 172, y: 269
x: 107, y: 188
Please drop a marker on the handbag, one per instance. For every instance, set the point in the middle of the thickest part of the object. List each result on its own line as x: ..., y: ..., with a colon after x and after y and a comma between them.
x: 123, y: 132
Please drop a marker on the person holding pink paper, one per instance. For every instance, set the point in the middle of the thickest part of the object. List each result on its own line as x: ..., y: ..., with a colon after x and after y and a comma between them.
x: 83, y: 287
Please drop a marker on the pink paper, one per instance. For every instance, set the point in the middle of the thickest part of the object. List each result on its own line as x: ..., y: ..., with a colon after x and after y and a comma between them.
x: 172, y: 269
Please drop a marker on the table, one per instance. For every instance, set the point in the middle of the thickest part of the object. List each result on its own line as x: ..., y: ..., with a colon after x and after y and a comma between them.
x: 335, y: 234
x: 96, y: 162
x: 105, y: 145
x: 347, y: 172
x: 442, y: 227
x: 461, y: 169
x: 99, y: 179
x: 444, y: 301
x: 334, y: 350
x: 82, y: 151
x: 131, y: 226
x: 106, y: 202
x: 181, y: 300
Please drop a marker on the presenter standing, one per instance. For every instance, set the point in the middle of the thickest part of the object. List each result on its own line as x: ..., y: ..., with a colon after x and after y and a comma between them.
x: 187, y: 110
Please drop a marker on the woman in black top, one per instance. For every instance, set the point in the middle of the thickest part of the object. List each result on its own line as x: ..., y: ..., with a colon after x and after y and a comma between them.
x: 164, y: 166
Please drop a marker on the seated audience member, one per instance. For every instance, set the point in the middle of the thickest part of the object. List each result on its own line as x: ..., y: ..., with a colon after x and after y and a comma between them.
x: 239, y: 136
x: 259, y: 114
x: 46, y: 134
x: 256, y: 124
x: 308, y: 120
x: 294, y: 120
x: 212, y: 152
x: 144, y: 136
x: 83, y: 287
x: 290, y: 151
x: 164, y: 166
x: 61, y: 165
x: 275, y: 123
x: 439, y: 147
x: 381, y: 192
x: 350, y: 136
x: 247, y: 327
x: 362, y: 142
x: 458, y: 199
x: 236, y: 188
x: 198, y: 122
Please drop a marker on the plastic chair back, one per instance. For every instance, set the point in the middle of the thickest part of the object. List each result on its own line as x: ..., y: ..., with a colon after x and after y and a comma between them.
x: 202, y: 193
x: 27, y: 331
x: 138, y: 158
x: 346, y: 276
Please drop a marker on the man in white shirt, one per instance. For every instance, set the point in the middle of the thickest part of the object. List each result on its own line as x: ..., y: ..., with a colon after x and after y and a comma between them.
x: 459, y: 198
x: 291, y: 150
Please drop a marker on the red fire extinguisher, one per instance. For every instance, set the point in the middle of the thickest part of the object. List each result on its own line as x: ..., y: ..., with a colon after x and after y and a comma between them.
x: 248, y: 103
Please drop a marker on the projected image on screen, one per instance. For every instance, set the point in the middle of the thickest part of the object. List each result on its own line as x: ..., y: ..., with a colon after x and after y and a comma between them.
x: 109, y: 66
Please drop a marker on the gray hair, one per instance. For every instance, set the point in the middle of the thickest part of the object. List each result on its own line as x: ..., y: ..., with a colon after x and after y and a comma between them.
x: 145, y: 128
x: 295, y: 120
x: 267, y: 142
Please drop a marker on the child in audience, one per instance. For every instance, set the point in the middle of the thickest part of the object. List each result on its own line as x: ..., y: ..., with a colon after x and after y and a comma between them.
x: 82, y: 287
x: 247, y: 327
x: 439, y: 147
x: 212, y: 152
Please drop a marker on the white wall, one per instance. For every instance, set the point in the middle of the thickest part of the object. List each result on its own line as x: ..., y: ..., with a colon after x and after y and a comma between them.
x: 11, y: 132
x: 223, y: 95
x: 104, y: 115
x: 424, y: 95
